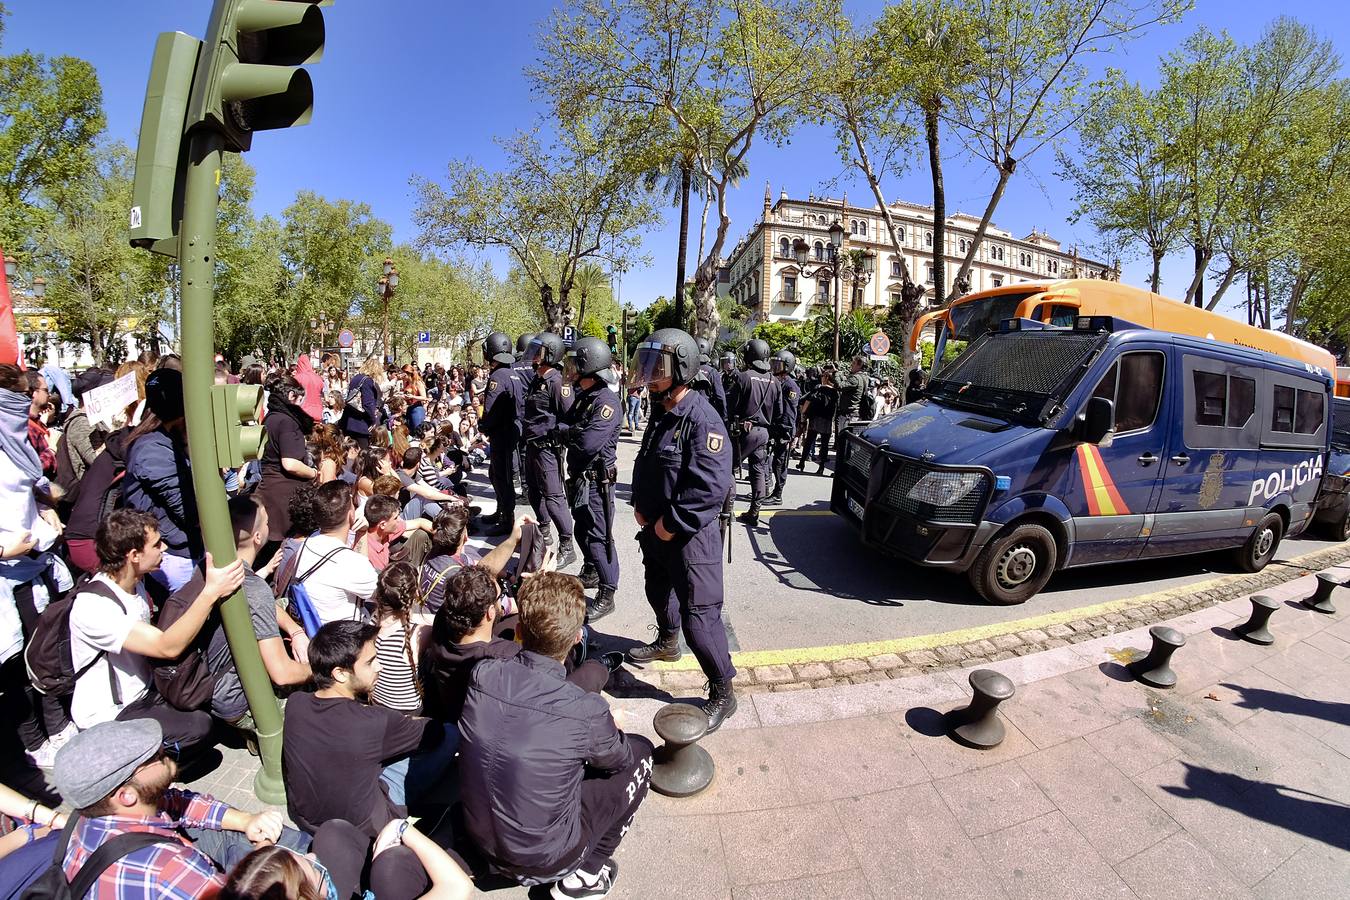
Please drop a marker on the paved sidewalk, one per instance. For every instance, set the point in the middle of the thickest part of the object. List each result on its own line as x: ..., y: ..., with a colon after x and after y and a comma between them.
x: 1235, y: 783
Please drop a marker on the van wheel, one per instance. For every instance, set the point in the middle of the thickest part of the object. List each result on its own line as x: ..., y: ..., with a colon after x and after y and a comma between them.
x: 1261, y: 546
x: 1340, y: 529
x: 1015, y: 565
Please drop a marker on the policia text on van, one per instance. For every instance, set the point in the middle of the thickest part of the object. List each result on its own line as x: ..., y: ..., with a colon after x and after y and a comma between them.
x: 1043, y: 448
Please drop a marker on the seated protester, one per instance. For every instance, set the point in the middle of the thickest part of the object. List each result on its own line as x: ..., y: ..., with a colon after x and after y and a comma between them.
x: 91, y: 500
x: 303, y: 525
x: 112, y: 640
x: 384, y: 526
x: 400, y: 640
x: 435, y: 469
x: 117, y: 775
x: 337, y: 860
x: 337, y: 741
x: 471, y: 625
x: 29, y: 831
x: 450, y: 553
x: 424, y: 501
x: 228, y: 703
x: 549, y: 783
x: 339, y: 580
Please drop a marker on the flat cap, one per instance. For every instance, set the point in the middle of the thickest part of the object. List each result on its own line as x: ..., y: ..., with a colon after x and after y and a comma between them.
x: 99, y: 760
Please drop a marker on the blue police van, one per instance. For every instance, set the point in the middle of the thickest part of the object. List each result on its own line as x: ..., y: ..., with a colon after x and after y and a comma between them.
x: 1044, y: 448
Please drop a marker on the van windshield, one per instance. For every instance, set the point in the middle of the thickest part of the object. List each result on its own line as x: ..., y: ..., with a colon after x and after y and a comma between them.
x: 1015, y: 374
x: 974, y: 317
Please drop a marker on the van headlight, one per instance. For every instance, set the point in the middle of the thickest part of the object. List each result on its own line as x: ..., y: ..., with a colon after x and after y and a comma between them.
x: 944, y: 488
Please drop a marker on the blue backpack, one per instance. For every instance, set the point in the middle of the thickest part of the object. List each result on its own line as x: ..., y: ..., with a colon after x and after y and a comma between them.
x: 291, y: 588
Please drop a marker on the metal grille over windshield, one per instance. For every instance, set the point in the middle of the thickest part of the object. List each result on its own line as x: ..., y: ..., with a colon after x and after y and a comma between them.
x: 1032, y: 362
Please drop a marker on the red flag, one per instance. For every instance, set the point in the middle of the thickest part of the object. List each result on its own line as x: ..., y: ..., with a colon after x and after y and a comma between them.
x: 9, y: 333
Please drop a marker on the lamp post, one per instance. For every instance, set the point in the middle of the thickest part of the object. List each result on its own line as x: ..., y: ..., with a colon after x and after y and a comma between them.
x: 386, y: 286
x: 322, y: 324
x: 35, y: 289
x: 836, y: 264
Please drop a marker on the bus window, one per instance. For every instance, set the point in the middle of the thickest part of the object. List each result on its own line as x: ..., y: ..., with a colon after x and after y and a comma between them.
x: 975, y: 317
x: 1062, y: 315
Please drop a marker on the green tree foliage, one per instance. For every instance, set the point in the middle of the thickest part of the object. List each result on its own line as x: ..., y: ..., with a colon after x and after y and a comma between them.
x: 51, y: 111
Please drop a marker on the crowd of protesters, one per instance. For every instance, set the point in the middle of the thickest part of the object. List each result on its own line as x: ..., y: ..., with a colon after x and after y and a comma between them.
x: 412, y: 664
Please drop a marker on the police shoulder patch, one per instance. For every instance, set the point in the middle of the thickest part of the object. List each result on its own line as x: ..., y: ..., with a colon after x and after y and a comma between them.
x: 715, y: 442
x: 494, y: 385
x: 606, y: 412
x: 566, y: 391
x: 792, y: 395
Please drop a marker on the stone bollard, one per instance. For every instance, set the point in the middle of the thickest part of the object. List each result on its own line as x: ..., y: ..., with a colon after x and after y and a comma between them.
x: 978, y: 724
x: 1257, y: 629
x: 1321, y: 598
x: 681, y: 768
x: 1155, y: 669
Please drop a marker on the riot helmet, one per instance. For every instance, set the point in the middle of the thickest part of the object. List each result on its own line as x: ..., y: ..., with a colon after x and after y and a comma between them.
x: 728, y: 362
x: 783, y: 363
x: 523, y: 344
x: 590, y: 356
x: 666, y: 353
x: 704, y: 348
x: 755, y: 353
x: 547, y: 349
x: 497, y: 349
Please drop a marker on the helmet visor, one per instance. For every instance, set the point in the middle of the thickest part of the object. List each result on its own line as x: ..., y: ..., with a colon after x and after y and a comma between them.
x: 652, y: 362
x: 534, y: 352
x: 779, y: 366
x: 570, y: 370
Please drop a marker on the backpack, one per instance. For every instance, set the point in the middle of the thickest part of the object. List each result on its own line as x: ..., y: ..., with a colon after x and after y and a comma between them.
x: 52, y: 883
x: 353, y: 399
x: 292, y: 589
x: 867, y: 401
x: 48, y: 657
x: 186, y: 682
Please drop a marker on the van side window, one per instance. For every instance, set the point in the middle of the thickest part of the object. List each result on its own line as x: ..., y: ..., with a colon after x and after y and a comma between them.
x: 1308, y: 413
x: 1241, y: 400
x: 1223, y: 400
x: 1282, y: 412
x: 1134, y: 385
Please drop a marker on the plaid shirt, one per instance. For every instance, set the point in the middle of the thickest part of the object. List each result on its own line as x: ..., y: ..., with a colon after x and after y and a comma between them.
x: 174, y: 870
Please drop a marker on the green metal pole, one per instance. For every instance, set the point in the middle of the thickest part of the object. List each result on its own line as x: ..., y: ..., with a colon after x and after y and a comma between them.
x: 196, y: 261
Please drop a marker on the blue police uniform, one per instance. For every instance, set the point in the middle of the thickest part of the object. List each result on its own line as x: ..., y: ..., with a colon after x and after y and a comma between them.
x: 590, y: 432
x: 501, y: 421
x: 784, y: 429
x: 754, y: 399
x: 715, y: 393
x: 546, y: 401
x: 525, y: 372
x: 681, y: 478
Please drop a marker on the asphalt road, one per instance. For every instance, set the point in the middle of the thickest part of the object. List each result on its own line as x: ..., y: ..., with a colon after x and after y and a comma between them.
x: 803, y: 579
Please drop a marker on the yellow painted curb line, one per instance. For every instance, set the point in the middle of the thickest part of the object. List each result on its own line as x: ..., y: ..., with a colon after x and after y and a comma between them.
x: 836, y: 652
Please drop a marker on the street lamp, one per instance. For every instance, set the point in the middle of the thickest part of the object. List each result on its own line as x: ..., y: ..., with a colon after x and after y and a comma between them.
x: 385, y: 288
x: 857, y: 266
x: 322, y: 324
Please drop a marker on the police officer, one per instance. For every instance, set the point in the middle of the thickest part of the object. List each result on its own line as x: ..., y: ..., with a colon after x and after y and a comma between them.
x: 753, y: 402
x: 680, y: 480
x: 783, y: 429
x: 590, y: 433
x: 728, y: 372
x: 525, y: 372
x: 708, y: 382
x: 547, y: 401
x: 501, y: 421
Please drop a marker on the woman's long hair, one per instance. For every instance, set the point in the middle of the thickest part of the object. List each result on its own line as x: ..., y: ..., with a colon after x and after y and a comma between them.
x: 394, y: 599
x: 326, y: 446
x: 269, y: 873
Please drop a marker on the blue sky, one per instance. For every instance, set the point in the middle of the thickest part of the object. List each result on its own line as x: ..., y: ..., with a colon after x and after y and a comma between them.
x: 406, y: 85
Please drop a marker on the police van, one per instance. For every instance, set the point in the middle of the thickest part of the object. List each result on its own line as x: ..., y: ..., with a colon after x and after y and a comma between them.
x: 1044, y: 448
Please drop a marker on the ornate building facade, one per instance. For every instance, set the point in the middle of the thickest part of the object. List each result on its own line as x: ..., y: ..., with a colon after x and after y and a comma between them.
x: 762, y: 272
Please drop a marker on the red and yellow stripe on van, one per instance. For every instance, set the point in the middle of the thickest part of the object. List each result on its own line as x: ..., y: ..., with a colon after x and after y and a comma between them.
x: 1102, y: 497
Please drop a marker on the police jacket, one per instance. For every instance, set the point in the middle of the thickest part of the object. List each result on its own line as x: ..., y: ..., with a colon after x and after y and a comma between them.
x: 527, y: 738
x: 546, y: 400
x: 504, y: 406
x: 790, y: 398
x: 753, y: 398
x: 159, y: 480
x: 590, y: 429
x: 683, y: 474
x: 711, y: 387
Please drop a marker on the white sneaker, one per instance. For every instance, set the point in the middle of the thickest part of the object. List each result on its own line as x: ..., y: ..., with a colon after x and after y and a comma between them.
x: 585, y: 886
x: 43, y: 757
x: 59, y: 739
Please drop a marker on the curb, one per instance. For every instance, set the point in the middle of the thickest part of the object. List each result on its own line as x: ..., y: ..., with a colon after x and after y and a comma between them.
x: 828, y: 666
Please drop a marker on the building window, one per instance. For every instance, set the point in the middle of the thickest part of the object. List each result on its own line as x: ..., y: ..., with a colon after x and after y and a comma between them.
x: 928, y: 240
x: 896, y: 297
x: 1024, y: 259
x: 928, y: 267
x: 996, y: 281
x: 1053, y: 266
x: 962, y: 245
x: 862, y: 227
x: 895, y: 269
x: 900, y: 233
x: 819, y: 250
x: 789, y: 289
x: 784, y: 247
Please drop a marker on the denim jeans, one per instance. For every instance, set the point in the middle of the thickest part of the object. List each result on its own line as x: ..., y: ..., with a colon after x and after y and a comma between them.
x: 418, y: 773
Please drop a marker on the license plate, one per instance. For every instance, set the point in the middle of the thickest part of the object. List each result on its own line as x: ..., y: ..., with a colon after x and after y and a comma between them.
x: 855, y: 507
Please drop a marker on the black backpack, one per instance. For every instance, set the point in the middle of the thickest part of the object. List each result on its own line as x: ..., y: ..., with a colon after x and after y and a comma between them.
x: 186, y: 682
x: 52, y: 883
x: 48, y: 658
x: 867, y: 401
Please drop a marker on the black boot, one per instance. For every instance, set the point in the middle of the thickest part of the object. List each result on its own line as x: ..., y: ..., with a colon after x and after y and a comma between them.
x: 666, y: 647
x: 589, y: 575
x: 602, y: 605
x: 750, y: 516
x: 774, y: 499
x: 546, y: 532
x: 567, y: 554
x: 721, y: 704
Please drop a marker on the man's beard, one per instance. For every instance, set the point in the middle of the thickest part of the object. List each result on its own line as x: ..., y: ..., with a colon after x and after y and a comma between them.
x: 362, y: 694
x: 152, y: 793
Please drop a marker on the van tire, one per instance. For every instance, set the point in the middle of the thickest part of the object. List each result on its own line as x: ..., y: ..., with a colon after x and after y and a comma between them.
x: 1013, y: 567
x: 1338, y: 530
x: 1260, y: 548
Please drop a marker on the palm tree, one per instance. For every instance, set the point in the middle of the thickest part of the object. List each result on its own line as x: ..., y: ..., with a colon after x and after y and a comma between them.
x: 675, y: 175
x: 589, y: 276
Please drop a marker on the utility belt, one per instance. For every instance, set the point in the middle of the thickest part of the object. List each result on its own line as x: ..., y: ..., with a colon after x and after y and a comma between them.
x: 745, y: 426
x: 543, y: 443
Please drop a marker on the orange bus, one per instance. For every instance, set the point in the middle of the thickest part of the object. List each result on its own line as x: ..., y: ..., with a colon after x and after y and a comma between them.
x: 1059, y: 302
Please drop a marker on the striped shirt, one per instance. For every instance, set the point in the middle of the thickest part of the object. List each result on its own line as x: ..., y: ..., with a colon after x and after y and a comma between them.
x: 396, y: 685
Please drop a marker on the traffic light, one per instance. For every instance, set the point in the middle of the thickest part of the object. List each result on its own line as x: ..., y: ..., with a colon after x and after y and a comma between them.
x: 236, y: 409
x: 613, y: 339
x: 246, y: 78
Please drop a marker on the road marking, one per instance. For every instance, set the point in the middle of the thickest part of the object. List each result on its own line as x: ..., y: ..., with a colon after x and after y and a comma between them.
x: 770, y: 513
x: 836, y: 652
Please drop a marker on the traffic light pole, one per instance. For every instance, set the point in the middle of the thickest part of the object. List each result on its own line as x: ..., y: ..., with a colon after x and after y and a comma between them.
x: 196, y: 260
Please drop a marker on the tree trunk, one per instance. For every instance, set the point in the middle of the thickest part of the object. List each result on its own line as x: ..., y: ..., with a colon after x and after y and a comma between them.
x: 930, y: 130
x: 686, y: 177
x: 1223, y: 286
x: 554, y: 310
x: 1296, y: 292
x: 1195, y: 291
x: 581, y: 313
x: 1155, y: 278
x: 963, y: 274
